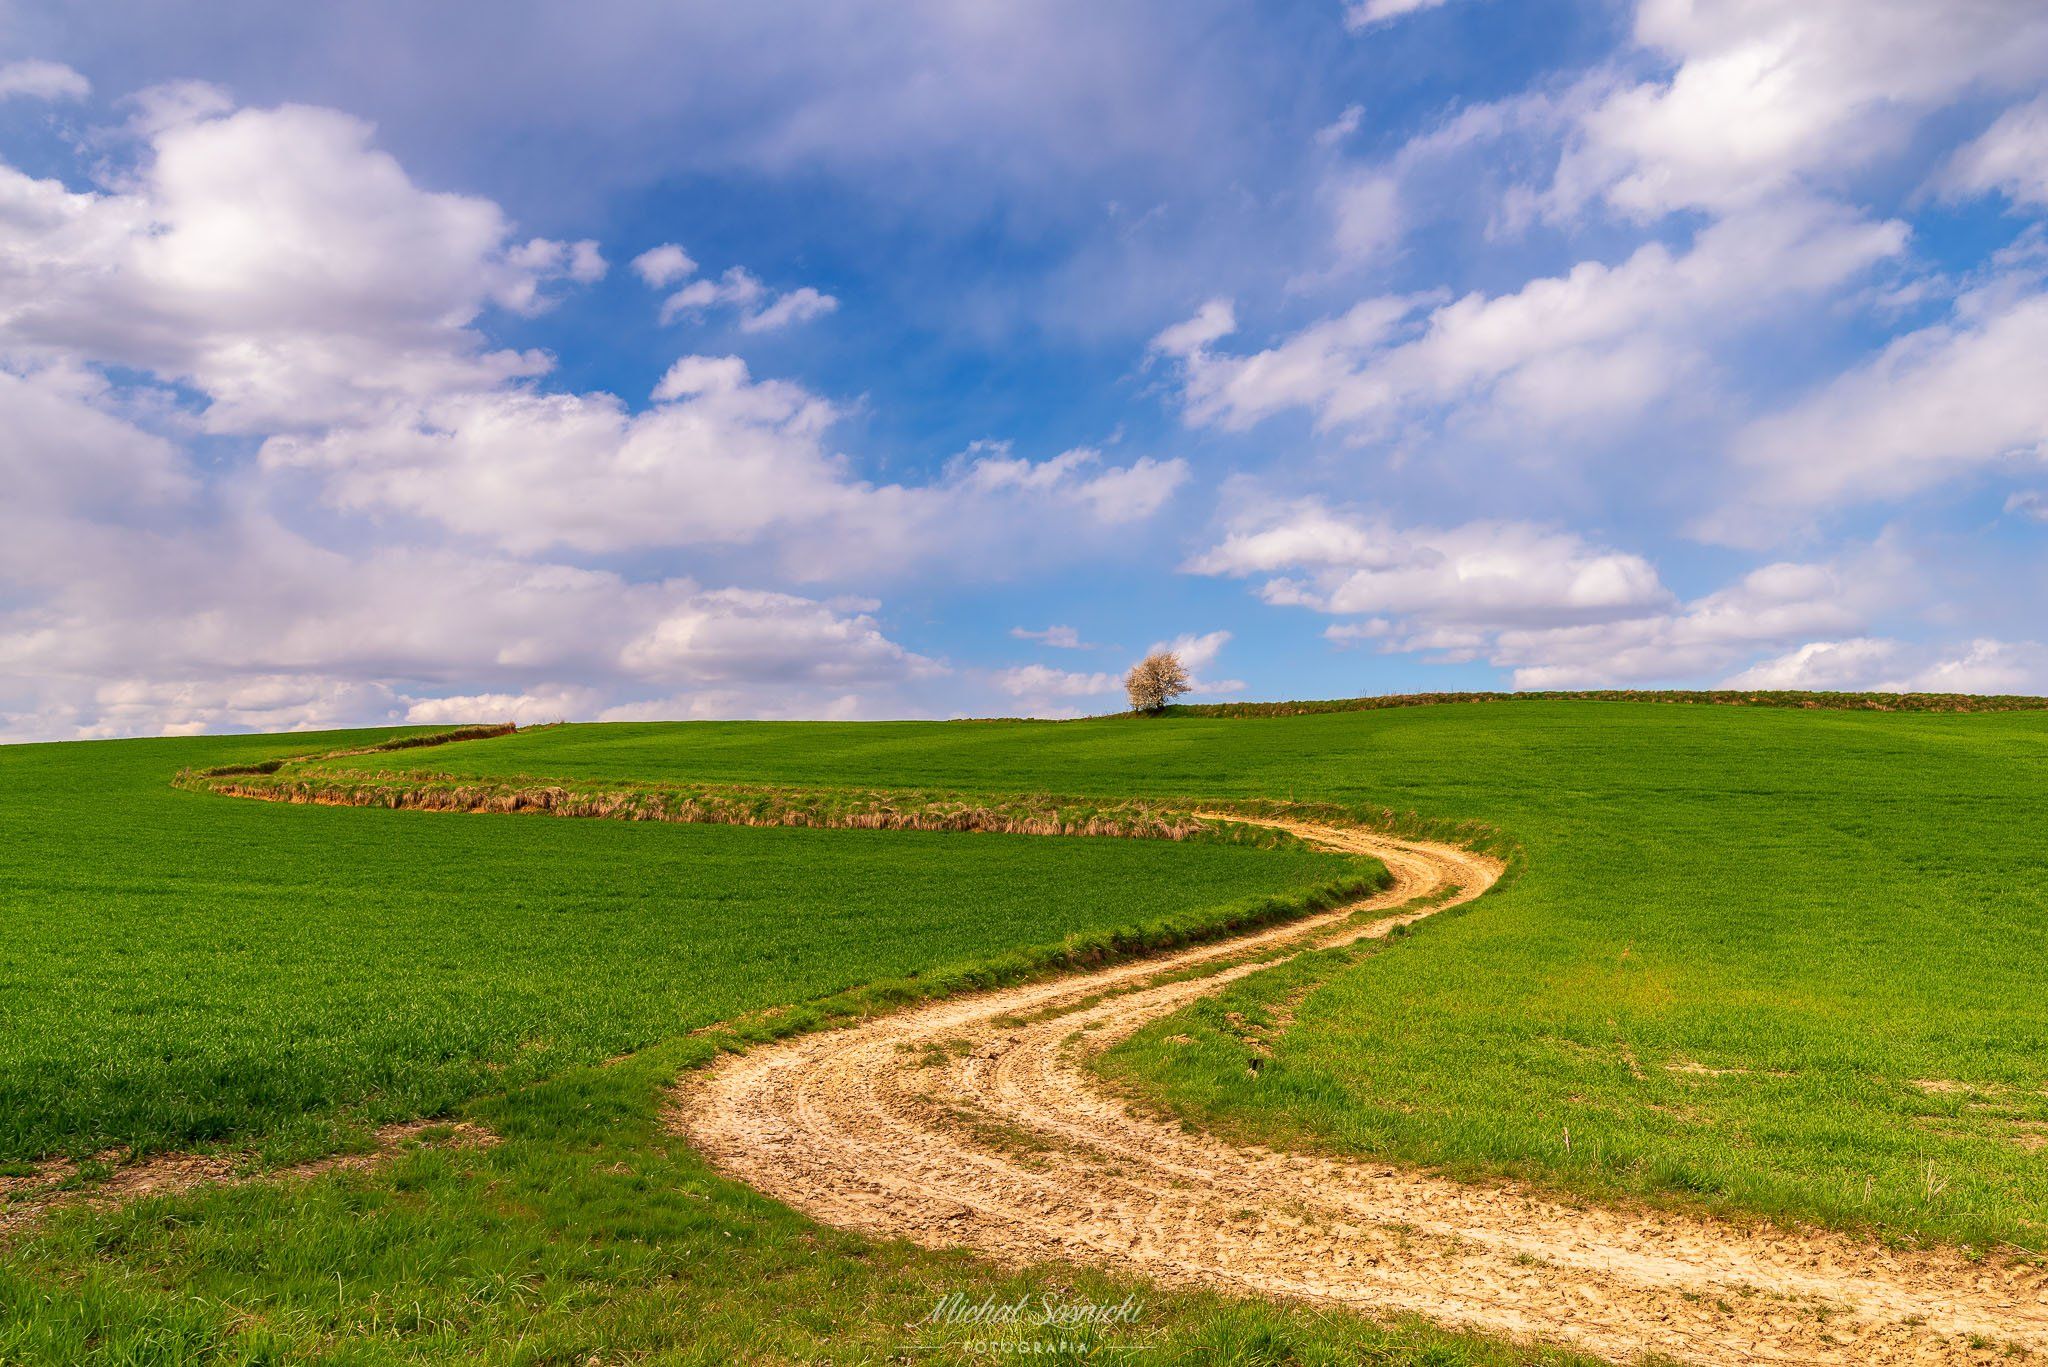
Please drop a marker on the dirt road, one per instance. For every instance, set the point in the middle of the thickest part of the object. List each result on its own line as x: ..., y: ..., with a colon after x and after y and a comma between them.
x: 975, y: 1122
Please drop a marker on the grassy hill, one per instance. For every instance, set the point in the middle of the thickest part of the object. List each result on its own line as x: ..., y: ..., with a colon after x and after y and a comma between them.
x: 1774, y: 960
x: 182, y: 968
x: 1780, y: 961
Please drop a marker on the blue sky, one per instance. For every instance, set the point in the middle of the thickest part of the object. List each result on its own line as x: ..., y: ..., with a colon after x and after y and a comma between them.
x: 399, y: 362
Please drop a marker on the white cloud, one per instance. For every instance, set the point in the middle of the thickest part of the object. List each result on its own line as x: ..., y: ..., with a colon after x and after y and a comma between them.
x: 1985, y: 666
x: 1212, y: 322
x: 1059, y: 637
x: 1482, y: 573
x: 252, y: 625
x: 1343, y: 126
x: 1824, y: 665
x: 662, y: 266
x: 1112, y: 496
x: 1600, y: 339
x: 1765, y: 95
x: 543, y: 259
x: 760, y: 309
x: 275, y: 261
x: 747, y: 635
x: 1197, y: 654
x: 1043, y: 681
x: 1451, y: 170
x: 721, y: 459
x: 35, y: 79
x: 295, y: 283
x: 281, y: 277
x: 1878, y: 665
x: 174, y: 104
x: 1363, y: 14
x: 1550, y: 607
x: 744, y: 704
x: 2010, y: 157
x: 194, y: 706
x: 695, y: 376
x: 2031, y: 503
x: 1766, y: 608
x: 1366, y: 206
x: 534, y: 707
x: 738, y: 287
x: 66, y: 459
x: 795, y: 306
x: 1946, y: 400
x: 1115, y: 496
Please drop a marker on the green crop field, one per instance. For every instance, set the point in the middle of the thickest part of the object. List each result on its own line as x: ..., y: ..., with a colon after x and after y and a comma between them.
x: 1788, y: 962
x: 179, y: 969
x: 1777, y: 962
x: 182, y: 968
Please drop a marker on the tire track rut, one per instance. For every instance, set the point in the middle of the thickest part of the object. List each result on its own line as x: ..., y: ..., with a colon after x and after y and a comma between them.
x: 975, y: 1122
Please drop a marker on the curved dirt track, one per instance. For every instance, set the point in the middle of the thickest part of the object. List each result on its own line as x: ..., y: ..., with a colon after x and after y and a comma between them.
x: 974, y: 1122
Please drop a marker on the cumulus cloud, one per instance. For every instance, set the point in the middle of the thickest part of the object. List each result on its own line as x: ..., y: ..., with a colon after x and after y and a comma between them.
x: 1984, y: 666
x: 733, y: 635
x: 759, y: 308
x: 1113, y: 495
x: 1479, y: 574
x: 1700, y: 638
x: 253, y: 624
x: 536, y: 708
x: 793, y: 306
x: 278, y: 263
x: 1875, y: 664
x: 1756, y: 124
x: 1764, y: 96
x: 1599, y: 339
x: 662, y: 266
x: 276, y: 275
x: 1452, y: 169
x: 544, y: 259
x: 1848, y: 665
x: 720, y: 459
x: 66, y: 460
x: 1960, y: 396
x: 2010, y: 157
x: 1553, y: 609
x: 1044, y: 681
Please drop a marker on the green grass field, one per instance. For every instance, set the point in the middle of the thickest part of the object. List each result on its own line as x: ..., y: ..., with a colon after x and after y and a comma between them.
x: 182, y: 968
x: 1778, y: 962
x: 1742, y: 937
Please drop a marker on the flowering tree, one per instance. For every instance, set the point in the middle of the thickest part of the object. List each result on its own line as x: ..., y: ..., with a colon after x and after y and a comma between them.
x: 1155, y: 681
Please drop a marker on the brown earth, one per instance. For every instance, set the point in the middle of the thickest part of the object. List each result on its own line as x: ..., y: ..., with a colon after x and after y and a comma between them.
x: 27, y: 1199
x: 976, y: 1122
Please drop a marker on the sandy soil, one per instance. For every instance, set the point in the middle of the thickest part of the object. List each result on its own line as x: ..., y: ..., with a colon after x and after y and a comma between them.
x: 975, y: 1122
